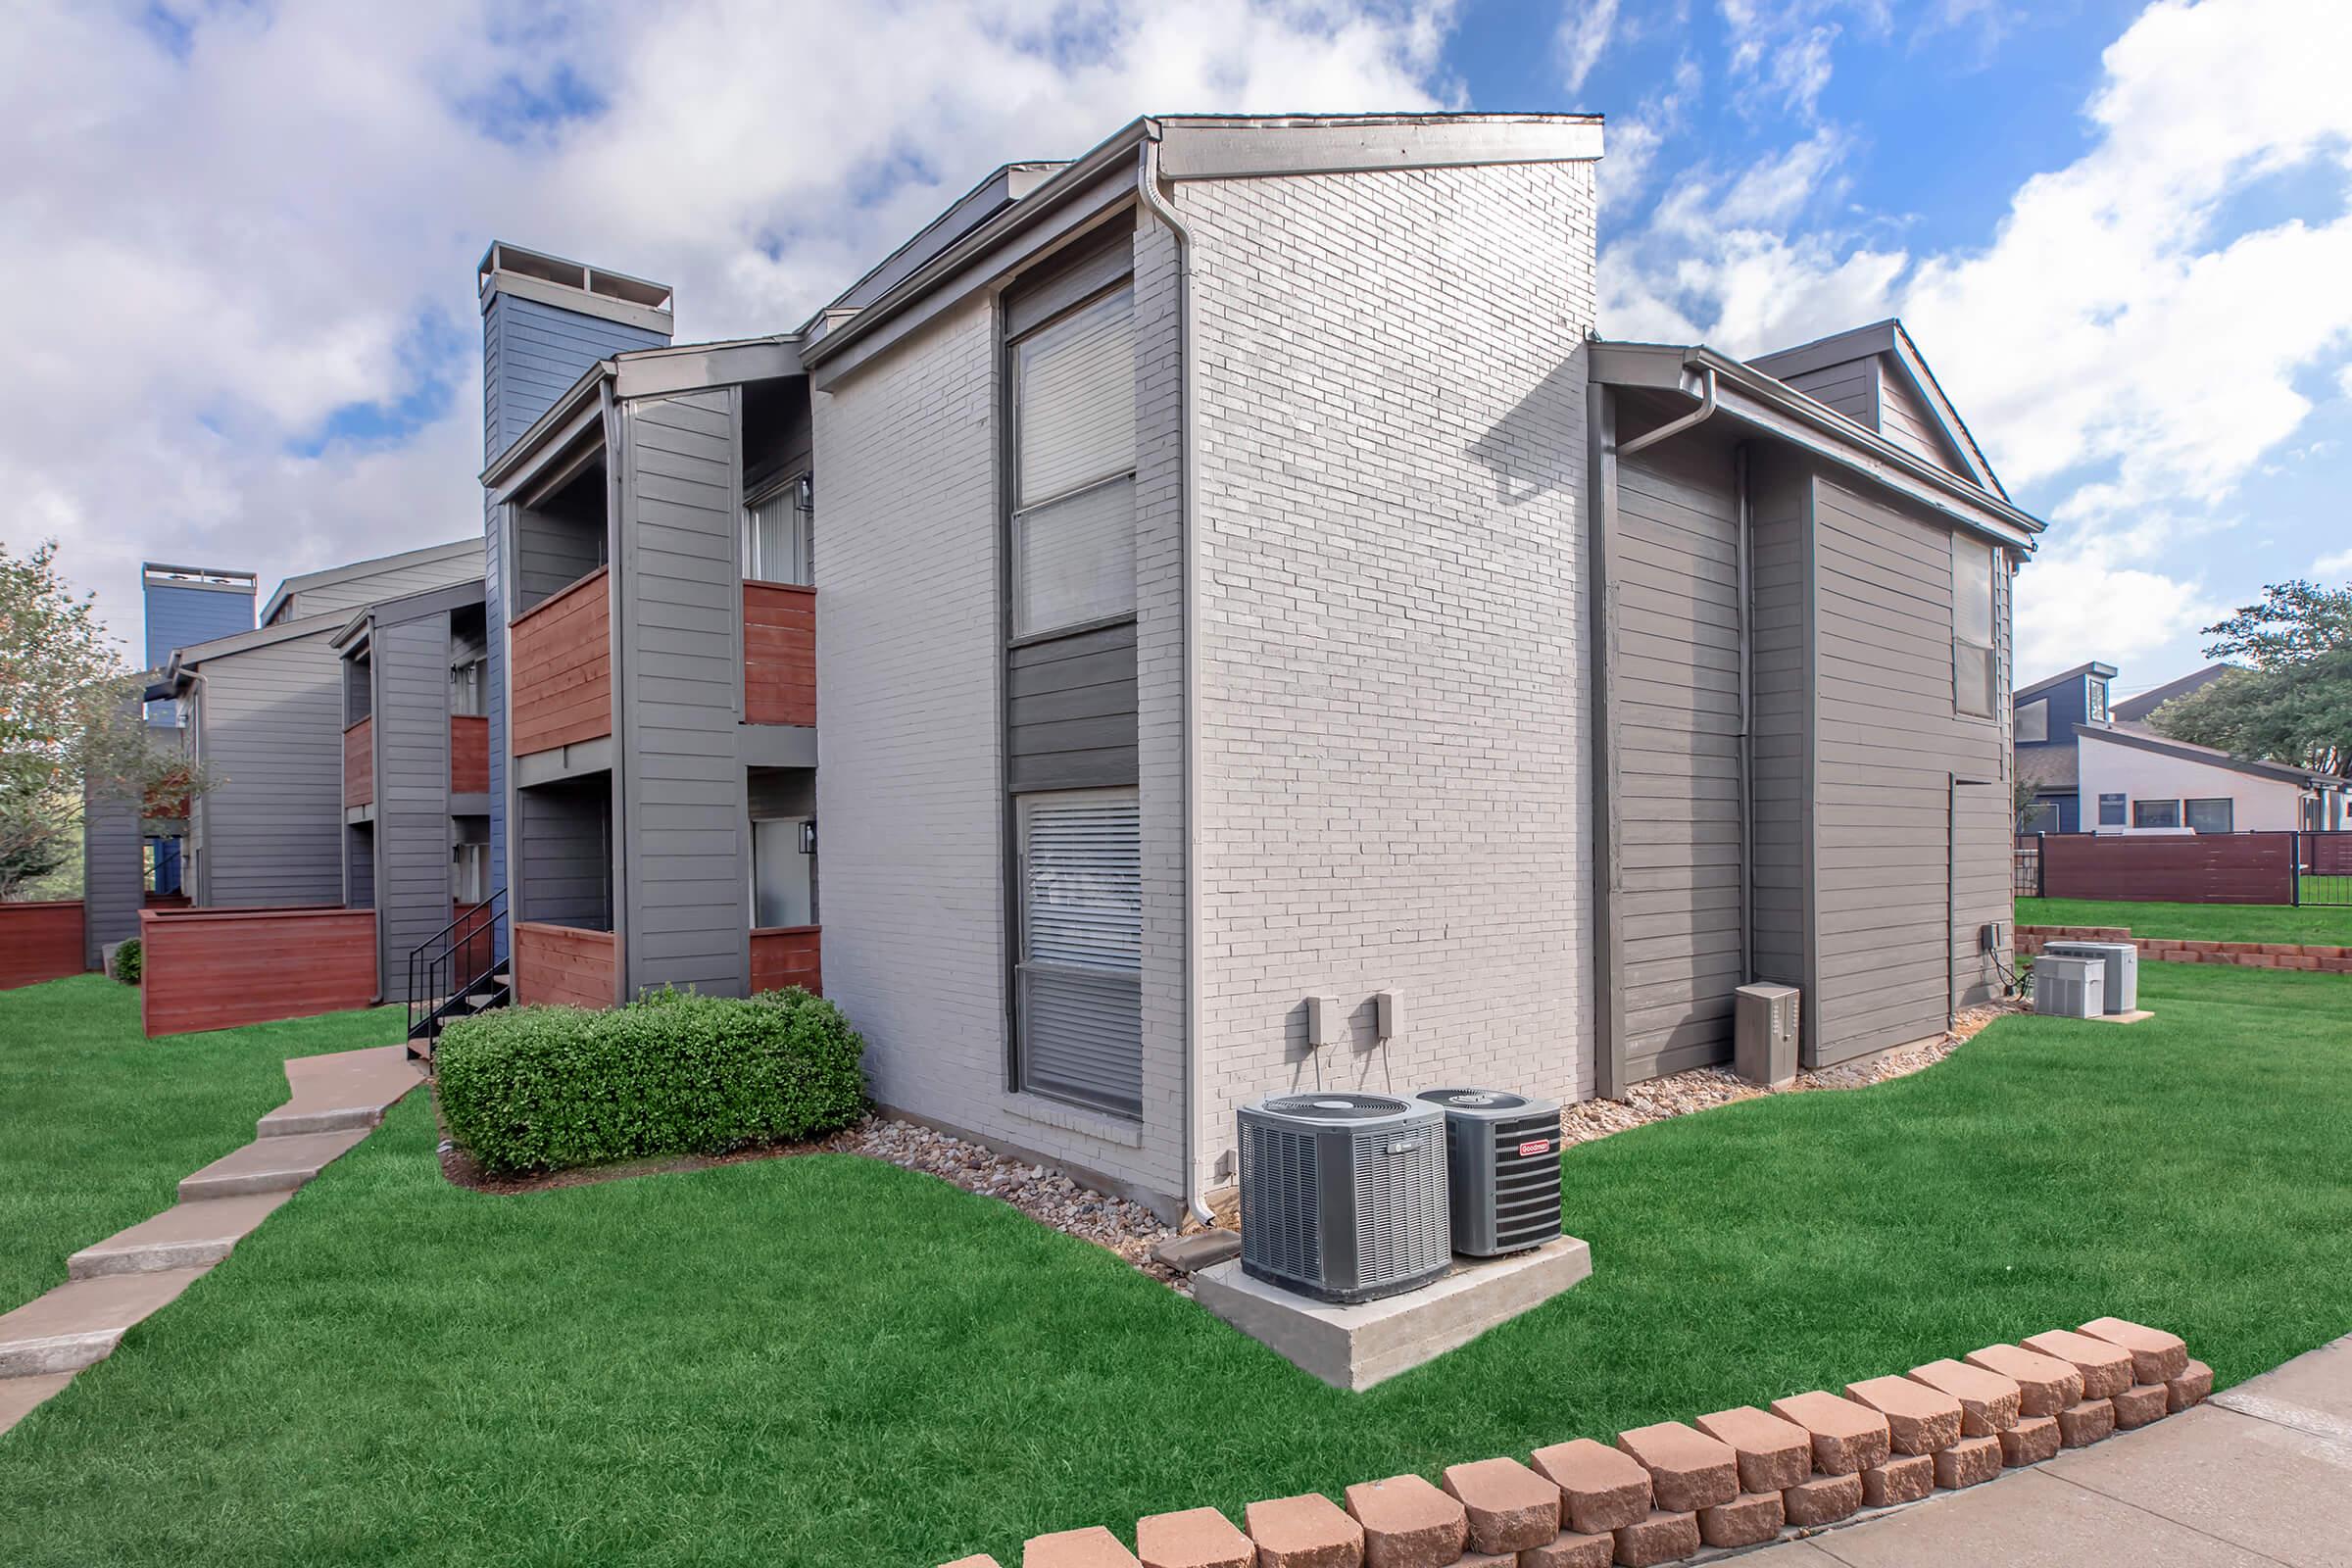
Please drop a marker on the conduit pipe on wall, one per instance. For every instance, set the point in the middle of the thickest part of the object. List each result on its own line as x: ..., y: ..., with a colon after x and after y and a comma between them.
x: 1189, y: 518
x: 1743, y: 522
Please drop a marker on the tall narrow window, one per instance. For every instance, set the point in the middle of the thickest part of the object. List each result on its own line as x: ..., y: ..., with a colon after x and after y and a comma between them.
x: 779, y: 535
x: 2095, y: 700
x: 1081, y: 947
x: 1974, y: 672
x: 1073, y: 519
x: 472, y: 872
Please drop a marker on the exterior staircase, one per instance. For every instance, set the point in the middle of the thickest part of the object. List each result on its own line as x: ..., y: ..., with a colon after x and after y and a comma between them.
x: 461, y: 972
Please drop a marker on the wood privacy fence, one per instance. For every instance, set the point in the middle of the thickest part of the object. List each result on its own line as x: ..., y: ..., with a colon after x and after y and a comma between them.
x: 2198, y: 868
x: 39, y: 941
x: 218, y: 968
x: 562, y: 964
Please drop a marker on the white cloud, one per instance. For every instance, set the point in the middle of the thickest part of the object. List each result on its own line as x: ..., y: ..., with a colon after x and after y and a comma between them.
x: 1583, y: 33
x: 2124, y: 355
x: 1635, y: 141
x: 2073, y: 606
x: 207, y: 256
x: 2338, y: 565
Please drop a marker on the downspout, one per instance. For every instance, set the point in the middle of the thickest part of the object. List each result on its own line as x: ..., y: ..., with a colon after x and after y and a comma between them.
x: 1744, y: 521
x: 1188, y: 509
x: 1672, y: 428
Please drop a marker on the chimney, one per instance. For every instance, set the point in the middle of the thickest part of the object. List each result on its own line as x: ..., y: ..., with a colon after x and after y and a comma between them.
x: 544, y: 322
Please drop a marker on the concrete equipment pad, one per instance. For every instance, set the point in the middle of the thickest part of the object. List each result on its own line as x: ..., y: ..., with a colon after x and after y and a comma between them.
x: 1359, y: 1345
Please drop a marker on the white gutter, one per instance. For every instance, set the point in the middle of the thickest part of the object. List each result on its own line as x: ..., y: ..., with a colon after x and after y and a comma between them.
x: 1189, y: 509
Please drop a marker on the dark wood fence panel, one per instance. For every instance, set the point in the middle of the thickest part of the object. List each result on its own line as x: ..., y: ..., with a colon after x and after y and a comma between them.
x: 563, y: 964
x: 359, y: 763
x: 468, y: 755
x: 779, y: 654
x: 563, y: 661
x: 2203, y: 868
x: 39, y: 941
x: 788, y: 955
x: 219, y: 968
x: 2328, y: 854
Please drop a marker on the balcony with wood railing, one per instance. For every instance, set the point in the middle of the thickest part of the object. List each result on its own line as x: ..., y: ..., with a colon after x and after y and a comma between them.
x: 359, y: 763
x: 562, y: 666
x: 779, y: 654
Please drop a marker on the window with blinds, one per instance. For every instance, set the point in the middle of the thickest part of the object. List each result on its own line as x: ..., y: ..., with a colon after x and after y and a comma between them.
x: 1080, y: 953
x: 1073, y: 516
x: 778, y: 536
x: 1975, y: 671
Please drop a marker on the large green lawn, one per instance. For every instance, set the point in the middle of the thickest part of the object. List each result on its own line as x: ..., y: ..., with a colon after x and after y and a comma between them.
x: 829, y: 1361
x: 2327, y: 924
x: 98, y: 1124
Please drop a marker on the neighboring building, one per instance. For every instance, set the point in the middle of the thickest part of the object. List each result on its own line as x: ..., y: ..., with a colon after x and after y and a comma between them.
x: 2136, y: 782
x: 183, y: 606
x: 1218, y: 571
x: 2134, y: 712
x: 2047, y: 713
x: 265, y: 719
x: 415, y: 769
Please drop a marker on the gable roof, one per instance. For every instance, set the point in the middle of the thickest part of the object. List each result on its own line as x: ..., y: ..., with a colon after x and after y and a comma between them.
x: 2093, y: 668
x: 2210, y: 756
x: 310, y: 581
x: 1891, y: 340
x: 2136, y: 710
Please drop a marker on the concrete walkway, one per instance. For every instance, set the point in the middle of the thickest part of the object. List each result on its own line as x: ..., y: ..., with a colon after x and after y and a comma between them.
x: 111, y: 1285
x: 2258, y: 1476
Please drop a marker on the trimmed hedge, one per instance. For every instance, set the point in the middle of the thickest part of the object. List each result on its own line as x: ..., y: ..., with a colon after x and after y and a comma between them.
x: 538, y: 1088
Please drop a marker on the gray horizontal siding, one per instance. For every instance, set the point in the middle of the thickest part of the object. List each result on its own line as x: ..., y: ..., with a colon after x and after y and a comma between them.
x: 412, y: 810
x: 391, y: 583
x: 1849, y: 387
x: 1910, y: 424
x: 1677, y: 717
x: 686, y: 920
x: 272, y: 735
x: 1783, y: 685
x: 565, y: 853
x: 1070, y: 711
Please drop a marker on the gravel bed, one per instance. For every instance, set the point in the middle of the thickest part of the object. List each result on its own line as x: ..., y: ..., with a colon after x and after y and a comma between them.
x: 1131, y: 1230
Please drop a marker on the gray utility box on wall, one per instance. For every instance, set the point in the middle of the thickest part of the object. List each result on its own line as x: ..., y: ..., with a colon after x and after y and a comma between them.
x: 1764, y: 1032
x: 2121, y: 961
x: 1502, y: 1168
x: 2070, y: 988
x: 1343, y: 1195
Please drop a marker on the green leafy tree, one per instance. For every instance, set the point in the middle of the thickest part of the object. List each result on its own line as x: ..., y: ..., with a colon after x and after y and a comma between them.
x: 70, y: 714
x: 2293, y: 701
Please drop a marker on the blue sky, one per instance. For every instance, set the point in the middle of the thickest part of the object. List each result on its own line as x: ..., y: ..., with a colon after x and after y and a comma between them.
x: 2119, y: 232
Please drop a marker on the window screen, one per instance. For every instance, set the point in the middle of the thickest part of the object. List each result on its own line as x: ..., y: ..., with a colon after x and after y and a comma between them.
x: 1073, y: 525
x: 2111, y: 810
x: 2033, y: 721
x: 1972, y: 670
x: 1082, y: 905
x: 2155, y: 813
x: 2212, y: 815
x: 776, y: 537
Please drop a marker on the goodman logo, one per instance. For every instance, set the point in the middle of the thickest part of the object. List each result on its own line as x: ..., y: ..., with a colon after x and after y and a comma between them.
x: 1536, y: 1145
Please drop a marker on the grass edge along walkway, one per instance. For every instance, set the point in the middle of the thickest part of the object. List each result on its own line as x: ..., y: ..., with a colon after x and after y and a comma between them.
x: 826, y: 1360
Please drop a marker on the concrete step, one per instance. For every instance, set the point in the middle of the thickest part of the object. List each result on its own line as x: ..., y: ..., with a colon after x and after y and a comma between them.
x: 188, y: 1236
x: 291, y: 1121
x: 19, y: 1396
x: 270, y: 1164
x: 83, y: 1320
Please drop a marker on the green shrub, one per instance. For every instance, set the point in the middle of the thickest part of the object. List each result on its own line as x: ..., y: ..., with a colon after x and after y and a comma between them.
x: 128, y: 957
x: 537, y: 1088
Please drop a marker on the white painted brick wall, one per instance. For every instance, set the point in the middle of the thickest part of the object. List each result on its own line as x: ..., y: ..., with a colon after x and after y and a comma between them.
x: 1394, y: 652
x: 909, y: 786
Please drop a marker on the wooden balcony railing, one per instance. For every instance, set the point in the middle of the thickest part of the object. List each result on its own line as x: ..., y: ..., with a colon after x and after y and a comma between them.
x: 779, y: 654
x: 562, y: 963
x: 562, y: 678
x: 788, y: 955
x: 469, y: 754
x: 359, y: 763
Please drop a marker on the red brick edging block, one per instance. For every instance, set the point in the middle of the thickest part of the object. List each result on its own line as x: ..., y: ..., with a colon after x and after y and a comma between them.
x: 1665, y: 1491
x: 2323, y: 959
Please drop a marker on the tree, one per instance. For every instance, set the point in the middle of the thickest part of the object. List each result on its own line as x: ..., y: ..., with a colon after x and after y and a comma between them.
x: 2293, y: 704
x: 70, y: 716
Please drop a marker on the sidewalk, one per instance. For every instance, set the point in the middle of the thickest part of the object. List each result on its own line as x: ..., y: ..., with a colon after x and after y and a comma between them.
x: 2258, y: 1476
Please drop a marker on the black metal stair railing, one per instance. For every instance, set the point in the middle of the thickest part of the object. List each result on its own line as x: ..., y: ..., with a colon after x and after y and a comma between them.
x: 460, y: 971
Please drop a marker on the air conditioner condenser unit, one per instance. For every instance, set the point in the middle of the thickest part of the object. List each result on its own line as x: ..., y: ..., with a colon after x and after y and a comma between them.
x: 1502, y: 1168
x: 2069, y: 987
x: 1343, y: 1195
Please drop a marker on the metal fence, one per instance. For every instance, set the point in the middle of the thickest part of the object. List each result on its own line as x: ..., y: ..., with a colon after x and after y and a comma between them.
x: 2324, y: 868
